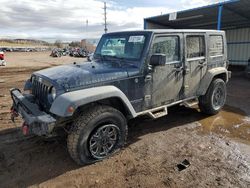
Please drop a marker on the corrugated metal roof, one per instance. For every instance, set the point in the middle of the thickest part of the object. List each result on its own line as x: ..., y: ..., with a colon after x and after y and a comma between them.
x: 236, y: 14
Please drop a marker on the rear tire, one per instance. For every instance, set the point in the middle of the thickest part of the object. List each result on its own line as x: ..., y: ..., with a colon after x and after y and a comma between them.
x: 96, y: 134
x: 214, y: 99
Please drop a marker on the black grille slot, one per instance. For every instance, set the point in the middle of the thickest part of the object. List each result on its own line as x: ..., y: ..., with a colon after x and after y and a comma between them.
x: 40, y: 91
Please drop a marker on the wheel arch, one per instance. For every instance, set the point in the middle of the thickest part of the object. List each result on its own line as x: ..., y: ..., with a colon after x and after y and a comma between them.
x: 114, y: 102
x: 220, y: 72
x: 222, y: 76
x: 109, y: 95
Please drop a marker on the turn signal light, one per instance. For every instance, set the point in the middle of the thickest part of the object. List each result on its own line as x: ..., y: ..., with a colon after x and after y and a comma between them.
x: 71, y: 109
x: 25, y: 129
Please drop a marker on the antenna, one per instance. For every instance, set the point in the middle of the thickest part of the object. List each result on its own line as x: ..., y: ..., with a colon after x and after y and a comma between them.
x: 105, y: 18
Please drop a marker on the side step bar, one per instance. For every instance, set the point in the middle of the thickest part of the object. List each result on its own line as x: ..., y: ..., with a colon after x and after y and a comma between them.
x: 158, y: 112
x: 190, y: 103
x: 163, y: 110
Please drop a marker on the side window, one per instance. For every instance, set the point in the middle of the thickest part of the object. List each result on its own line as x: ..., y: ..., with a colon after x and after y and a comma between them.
x: 216, y: 46
x: 170, y: 46
x: 195, y: 46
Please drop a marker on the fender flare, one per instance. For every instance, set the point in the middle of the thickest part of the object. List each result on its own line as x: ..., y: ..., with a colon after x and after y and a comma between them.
x: 209, y: 76
x: 79, y: 98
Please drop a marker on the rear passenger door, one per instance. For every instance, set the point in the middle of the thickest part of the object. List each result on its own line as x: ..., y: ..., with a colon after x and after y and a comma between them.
x: 195, y: 63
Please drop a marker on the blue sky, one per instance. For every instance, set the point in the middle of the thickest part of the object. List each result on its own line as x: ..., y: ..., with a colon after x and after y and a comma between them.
x: 66, y: 19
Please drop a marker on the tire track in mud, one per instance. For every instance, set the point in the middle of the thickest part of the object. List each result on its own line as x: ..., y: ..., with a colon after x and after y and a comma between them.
x: 9, y: 71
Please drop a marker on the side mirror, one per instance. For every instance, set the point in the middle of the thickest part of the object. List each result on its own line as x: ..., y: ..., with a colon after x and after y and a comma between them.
x: 158, y: 59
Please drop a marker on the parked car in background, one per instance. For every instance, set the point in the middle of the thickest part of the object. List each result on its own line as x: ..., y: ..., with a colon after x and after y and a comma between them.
x: 78, y: 52
x: 65, y: 51
x: 90, y: 56
x: 2, y: 61
x: 56, y: 52
x: 5, y: 49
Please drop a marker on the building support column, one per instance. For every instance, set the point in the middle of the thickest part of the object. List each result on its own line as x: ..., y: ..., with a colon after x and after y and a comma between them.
x: 220, y: 9
x: 145, y: 24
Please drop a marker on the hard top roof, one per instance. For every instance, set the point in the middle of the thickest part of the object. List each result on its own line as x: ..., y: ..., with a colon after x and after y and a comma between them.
x: 159, y: 31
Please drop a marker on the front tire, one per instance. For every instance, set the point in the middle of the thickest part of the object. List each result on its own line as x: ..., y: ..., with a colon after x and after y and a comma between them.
x: 214, y: 99
x: 96, y: 134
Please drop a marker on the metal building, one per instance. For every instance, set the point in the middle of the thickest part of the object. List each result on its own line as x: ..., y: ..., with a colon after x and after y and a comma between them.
x: 233, y: 16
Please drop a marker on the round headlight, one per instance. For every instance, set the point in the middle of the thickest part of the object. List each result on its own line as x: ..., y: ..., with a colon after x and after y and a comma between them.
x: 53, y: 93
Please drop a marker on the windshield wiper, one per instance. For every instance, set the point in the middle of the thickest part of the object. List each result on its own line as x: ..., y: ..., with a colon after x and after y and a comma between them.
x: 102, y: 57
x: 125, y: 61
x: 121, y: 60
x: 98, y: 56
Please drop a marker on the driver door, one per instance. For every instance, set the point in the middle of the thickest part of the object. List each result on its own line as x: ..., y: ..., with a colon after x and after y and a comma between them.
x: 167, y: 80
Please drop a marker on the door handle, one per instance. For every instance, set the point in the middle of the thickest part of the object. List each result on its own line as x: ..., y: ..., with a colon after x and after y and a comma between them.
x: 178, y: 69
x: 202, y: 64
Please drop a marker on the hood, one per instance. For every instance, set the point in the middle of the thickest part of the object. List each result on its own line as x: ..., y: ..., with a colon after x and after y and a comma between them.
x: 82, y: 74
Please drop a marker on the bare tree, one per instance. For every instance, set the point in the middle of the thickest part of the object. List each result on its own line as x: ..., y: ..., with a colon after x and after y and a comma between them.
x: 58, y: 44
x: 75, y: 44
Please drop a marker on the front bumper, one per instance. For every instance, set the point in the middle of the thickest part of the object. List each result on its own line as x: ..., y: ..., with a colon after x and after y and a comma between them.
x: 36, y: 121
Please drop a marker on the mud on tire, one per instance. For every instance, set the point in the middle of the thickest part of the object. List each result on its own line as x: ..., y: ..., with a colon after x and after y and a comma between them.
x: 98, y: 124
x: 215, y: 97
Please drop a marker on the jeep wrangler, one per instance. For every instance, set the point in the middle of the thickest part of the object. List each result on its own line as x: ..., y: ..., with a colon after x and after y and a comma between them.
x: 132, y: 74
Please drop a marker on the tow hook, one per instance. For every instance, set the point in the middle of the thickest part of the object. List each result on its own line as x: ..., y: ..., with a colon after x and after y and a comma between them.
x: 14, y: 114
x: 25, y: 128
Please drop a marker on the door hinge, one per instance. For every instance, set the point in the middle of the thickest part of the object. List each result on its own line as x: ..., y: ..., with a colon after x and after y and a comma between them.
x: 148, y: 78
x: 147, y: 97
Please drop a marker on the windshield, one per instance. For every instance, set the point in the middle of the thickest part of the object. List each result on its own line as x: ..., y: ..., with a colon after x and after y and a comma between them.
x: 122, y: 46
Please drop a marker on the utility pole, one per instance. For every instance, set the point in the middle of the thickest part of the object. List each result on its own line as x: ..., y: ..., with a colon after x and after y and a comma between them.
x: 105, y: 18
x: 87, y: 24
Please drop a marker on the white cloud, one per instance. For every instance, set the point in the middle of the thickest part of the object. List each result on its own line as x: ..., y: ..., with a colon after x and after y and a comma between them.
x: 136, y: 14
x: 198, y: 3
x: 66, y: 19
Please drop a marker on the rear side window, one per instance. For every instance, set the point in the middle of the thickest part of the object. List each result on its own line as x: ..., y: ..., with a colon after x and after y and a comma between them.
x: 216, y: 46
x: 195, y: 46
x: 168, y: 45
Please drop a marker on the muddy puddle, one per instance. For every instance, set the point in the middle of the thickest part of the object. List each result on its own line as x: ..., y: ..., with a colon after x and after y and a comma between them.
x: 230, y: 122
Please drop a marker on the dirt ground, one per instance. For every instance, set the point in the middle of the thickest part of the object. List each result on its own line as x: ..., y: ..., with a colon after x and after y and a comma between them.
x: 217, y: 147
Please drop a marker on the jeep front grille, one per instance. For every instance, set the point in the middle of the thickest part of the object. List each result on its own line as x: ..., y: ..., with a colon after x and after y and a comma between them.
x: 40, y: 91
